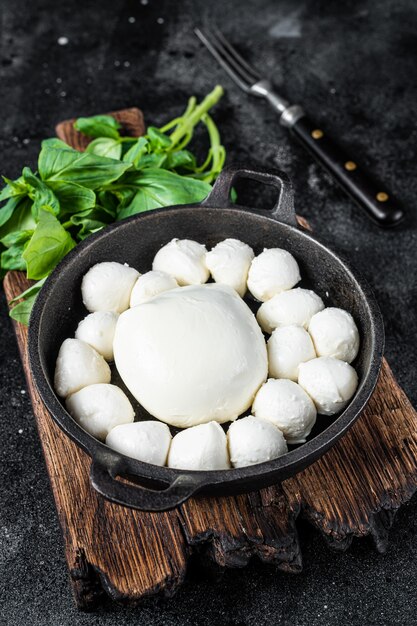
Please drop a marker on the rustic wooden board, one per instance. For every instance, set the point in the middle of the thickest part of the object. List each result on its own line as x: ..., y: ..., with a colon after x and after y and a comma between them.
x: 353, y: 490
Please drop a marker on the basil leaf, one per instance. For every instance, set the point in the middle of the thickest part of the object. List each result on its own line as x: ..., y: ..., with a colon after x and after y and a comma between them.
x: 180, y: 159
x: 134, y: 153
x: 157, y: 188
x: 124, y: 194
x: 88, y: 170
x: 13, y: 188
x: 49, y: 244
x: 30, y: 291
x: 72, y: 197
x: 16, y: 237
x: 44, y: 196
x: 108, y: 201
x: 53, y: 159
x: 91, y: 221
x: 151, y: 160
x: 54, y: 142
x: 16, y: 215
x: 12, y: 259
x: 21, y: 312
x: 158, y: 140
x: 7, y: 210
x: 105, y: 146
x: 88, y: 227
x: 98, y: 126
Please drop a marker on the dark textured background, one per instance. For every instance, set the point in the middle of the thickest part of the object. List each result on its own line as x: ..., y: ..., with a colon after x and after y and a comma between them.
x: 352, y: 65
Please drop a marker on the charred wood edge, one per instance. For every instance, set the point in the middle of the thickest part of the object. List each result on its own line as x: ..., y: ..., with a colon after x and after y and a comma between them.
x: 380, y: 521
x: 229, y: 551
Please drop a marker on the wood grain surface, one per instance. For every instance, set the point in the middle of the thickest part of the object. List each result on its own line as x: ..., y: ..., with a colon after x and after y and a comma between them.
x: 352, y: 491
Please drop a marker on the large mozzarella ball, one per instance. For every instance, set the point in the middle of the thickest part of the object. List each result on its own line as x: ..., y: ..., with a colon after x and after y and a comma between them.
x: 77, y: 366
x: 97, y: 329
x: 192, y: 355
x: 185, y: 260
x: 107, y: 287
x: 151, y: 284
x: 271, y: 272
x: 330, y: 382
x: 296, y: 306
x: 286, y: 404
x: 254, y: 440
x: 202, y: 447
x: 335, y: 333
x: 287, y: 348
x: 229, y: 263
x: 99, y: 408
x: 146, y: 441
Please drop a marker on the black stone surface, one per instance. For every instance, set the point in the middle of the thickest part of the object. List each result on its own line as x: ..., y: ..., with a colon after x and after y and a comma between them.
x: 352, y: 65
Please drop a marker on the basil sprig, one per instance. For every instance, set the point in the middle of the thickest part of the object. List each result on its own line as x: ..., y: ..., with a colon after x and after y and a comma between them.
x: 74, y: 194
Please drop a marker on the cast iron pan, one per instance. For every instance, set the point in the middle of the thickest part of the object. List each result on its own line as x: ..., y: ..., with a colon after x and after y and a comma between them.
x: 59, y: 308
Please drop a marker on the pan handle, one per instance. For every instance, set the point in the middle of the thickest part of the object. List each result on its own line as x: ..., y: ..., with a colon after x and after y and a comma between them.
x: 283, y: 210
x: 104, y: 481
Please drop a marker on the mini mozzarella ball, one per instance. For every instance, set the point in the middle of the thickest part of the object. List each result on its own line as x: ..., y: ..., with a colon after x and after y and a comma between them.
x: 99, y: 408
x: 273, y: 271
x: 185, y: 260
x: 293, y: 307
x: 202, y: 447
x: 107, y: 287
x: 287, y: 405
x: 330, y: 382
x: 335, y: 333
x: 150, y: 285
x: 287, y: 348
x: 254, y: 440
x: 77, y: 366
x: 97, y: 329
x: 146, y: 441
x: 229, y: 263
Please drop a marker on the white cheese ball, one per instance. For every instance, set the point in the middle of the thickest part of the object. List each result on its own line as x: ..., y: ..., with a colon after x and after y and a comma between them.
x: 254, y: 440
x: 77, y: 366
x: 286, y: 404
x: 99, y: 408
x: 335, y: 333
x: 185, y: 260
x: 202, y: 447
x: 146, y: 441
x: 330, y: 382
x: 287, y: 348
x: 149, y: 285
x: 272, y: 271
x: 107, y: 287
x: 229, y: 263
x: 192, y: 355
x: 97, y: 329
x: 296, y: 306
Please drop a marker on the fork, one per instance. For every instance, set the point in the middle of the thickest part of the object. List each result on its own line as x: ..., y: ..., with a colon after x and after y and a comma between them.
x: 353, y: 180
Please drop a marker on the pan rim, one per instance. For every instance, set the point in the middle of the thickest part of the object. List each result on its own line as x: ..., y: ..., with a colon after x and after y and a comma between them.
x: 267, y: 472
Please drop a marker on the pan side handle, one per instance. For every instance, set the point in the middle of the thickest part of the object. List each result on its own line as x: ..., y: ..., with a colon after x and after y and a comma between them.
x: 282, y: 211
x: 104, y: 481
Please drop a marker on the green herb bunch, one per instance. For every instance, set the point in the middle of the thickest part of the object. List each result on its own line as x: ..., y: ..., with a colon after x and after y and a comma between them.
x: 74, y: 194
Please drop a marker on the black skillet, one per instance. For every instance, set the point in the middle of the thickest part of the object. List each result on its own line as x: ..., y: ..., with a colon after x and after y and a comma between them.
x: 59, y: 308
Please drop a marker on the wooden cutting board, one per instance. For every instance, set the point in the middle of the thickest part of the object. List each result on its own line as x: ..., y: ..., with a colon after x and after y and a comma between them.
x: 352, y: 491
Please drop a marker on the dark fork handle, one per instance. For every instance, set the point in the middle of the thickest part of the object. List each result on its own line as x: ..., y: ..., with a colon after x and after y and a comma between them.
x: 357, y: 183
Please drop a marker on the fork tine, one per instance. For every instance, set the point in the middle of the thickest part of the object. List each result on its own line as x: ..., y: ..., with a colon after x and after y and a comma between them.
x: 230, y: 64
x: 235, y: 54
